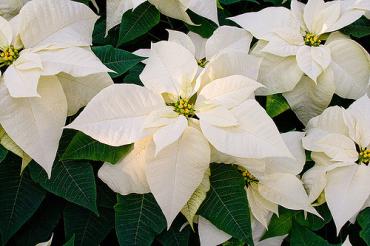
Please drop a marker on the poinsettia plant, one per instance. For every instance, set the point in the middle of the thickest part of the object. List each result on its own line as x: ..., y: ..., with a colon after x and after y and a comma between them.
x: 184, y: 122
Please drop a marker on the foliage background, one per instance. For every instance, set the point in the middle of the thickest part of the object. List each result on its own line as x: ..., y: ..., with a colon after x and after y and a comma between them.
x: 79, y: 209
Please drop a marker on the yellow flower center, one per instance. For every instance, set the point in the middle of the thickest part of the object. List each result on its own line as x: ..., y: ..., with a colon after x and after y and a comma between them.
x: 311, y: 39
x: 9, y: 55
x: 202, y: 62
x: 248, y: 177
x: 364, y: 156
x: 184, y: 107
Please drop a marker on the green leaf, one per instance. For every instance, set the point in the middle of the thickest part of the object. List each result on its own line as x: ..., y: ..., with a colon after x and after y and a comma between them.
x: 88, y: 228
x: 99, y: 37
x: 363, y: 220
x: 359, y: 28
x: 226, y: 205
x: 205, y: 28
x: 302, y: 236
x: 138, y: 22
x: 282, y: 224
x: 138, y: 219
x: 312, y: 221
x: 41, y: 225
x: 133, y: 75
x: 71, y: 180
x: 276, y: 104
x: 19, y: 197
x: 83, y: 147
x: 117, y: 60
x: 3, y: 153
x: 71, y: 241
x: 176, y: 235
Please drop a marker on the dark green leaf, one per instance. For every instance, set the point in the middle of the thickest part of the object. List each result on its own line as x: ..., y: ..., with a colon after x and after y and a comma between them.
x: 133, y: 75
x: 176, y: 235
x: 359, y: 28
x: 312, y: 221
x: 138, y: 22
x: 276, y: 104
x: 280, y: 225
x: 117, y: 60
x: 83, y: 147
x: 19, y: 197
x: 99, y: 37
x: 41, y: 225
x: 226, y: 204
x: 301, y: 236
x: 71, y: 180
x: 363, y: 220
x: 138, y: 219
x: 71, y: 241
x: 205, y: 28
x: 88, y: 228
x: 106, y: 197
x: 3, y: 153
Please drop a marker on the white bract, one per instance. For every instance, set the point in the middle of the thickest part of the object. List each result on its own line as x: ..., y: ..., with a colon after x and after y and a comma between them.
x: 271, y: 182
x: 301, y: 60
x: 10, y: 8
x: 210, y: 235
x: 223, y: 40
x: 173, y: 8
x: 49, y: 73
x: 172, y: 121
x: 340, y: 143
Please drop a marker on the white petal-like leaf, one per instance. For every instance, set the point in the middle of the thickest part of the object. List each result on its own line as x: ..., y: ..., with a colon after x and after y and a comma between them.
x: 176, y: 172
x: 47, y: 22
x: 80, y: 90
x: 36, y: 124
x: 116, y: 116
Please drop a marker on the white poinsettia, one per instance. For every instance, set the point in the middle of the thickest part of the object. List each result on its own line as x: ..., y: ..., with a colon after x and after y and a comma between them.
x: 210, y: 235
x: 224, y: 39
x: 173, y: 120
x: 173, y: 8
x: 301, y: 60
x: 49, y: 73
x: 340, y: 143
x: 271, y: 182
x: 10, y: 8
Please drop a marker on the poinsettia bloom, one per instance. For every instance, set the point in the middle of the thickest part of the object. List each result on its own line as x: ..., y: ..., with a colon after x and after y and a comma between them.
x: 50, y: 72
x: 10, y: 8
x: 271, y: 182
x: 175, y: 9
x: 315, y: 66
x: 171, y: 154
x: 224, y: 39
x: 340, y: 143
x: 210, y: 235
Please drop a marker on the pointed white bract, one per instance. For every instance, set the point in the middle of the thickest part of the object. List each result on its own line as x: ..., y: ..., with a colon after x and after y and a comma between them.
x: 172, y: 8
x: 272, y: 181
x: 183, y: 118
x: 340, y: 143
x: 210, y: 235
x: 315, y: 65
x: 48, y: 67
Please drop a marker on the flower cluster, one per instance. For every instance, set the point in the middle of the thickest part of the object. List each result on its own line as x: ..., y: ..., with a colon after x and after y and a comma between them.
x: 196, y: 106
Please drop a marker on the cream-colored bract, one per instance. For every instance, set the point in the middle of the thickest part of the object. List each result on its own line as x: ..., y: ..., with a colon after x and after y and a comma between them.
x: 180, y: 114
x: 210, y: 235
x: 273, y: 181
x: 10, y: 8
x: 315, y: 65
x: 173, y: 8
x: 339, y: 140
x: 48, y: 73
